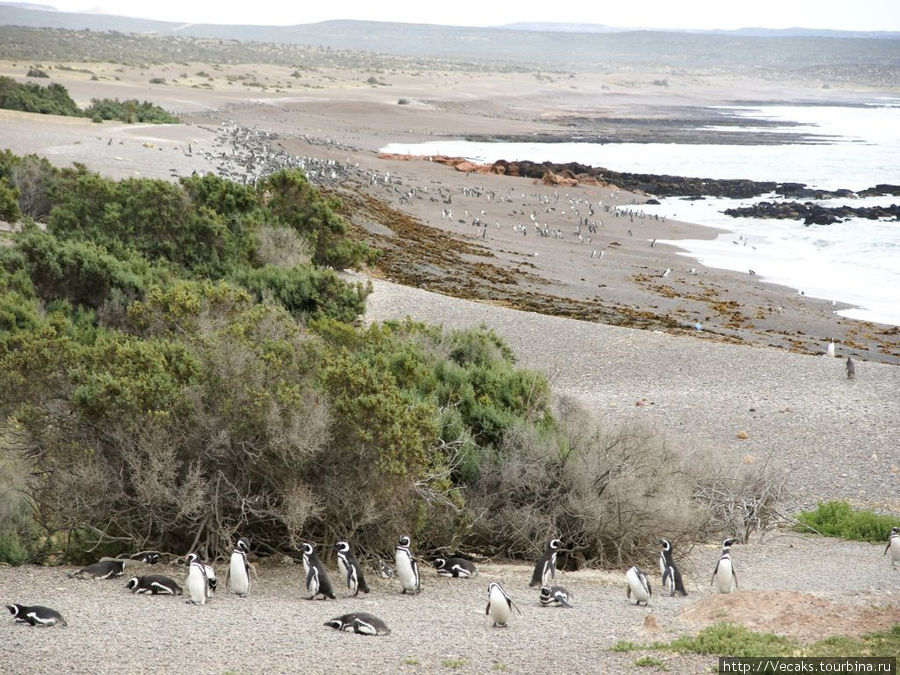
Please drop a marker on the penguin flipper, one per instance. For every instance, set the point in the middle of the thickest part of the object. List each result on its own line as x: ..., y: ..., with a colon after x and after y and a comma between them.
x: 487, y: 608
x: 886, y: 549
x: 514, y: 606
x: 734, y: 574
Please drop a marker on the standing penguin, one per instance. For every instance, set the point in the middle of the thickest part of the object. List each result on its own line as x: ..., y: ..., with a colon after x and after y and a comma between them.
x: 455, y: 567
x: 639, y: 585
x: 36, y: 615
x: 545, y: 569
x: 724, y: 575
x: 499, y: 606
x: 238, y: 579
x: 555, y: 595
x: 671, y: 575
x: 350, y: 569
x: 317, y: 581
x: 851, y: 369
x: 197, y: 580
x: 893, y: 546
x: 407, y: 568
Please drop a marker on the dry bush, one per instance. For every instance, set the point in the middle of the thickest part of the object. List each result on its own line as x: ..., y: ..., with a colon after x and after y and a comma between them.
x: 742, y: 497
x: 282, y: 247
x: 610, y: 494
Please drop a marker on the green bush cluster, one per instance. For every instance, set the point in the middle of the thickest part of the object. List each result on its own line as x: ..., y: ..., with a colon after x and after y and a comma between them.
x: 160, y: 367
x: 54, y: 99
x: 839, y: 519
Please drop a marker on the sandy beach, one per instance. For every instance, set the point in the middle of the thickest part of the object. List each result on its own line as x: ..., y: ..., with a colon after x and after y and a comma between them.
x: 611, y: 331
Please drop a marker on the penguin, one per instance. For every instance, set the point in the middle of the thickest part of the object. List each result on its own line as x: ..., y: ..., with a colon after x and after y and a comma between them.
x: 556, y: 596
x: 36, y: 615
x: 407, y: 569
x: 545, y: 569
x: 238, y: 579
x: 639, y: 585
x: 893, y: 546
x: 317, y: 581
x: 671, y: 575
x: 724, y: 575
x: 104, y: 569
x: 359, y: 622
x: 211, y: 580
x: 851, y: 369
x: 138, y: 560
x: 499, y: 606
x: 155, y: 584
x: 350, y: 569
x: 197, y: 581
x: 455, y: 567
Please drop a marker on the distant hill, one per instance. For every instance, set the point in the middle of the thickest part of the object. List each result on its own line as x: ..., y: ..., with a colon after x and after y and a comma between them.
x: 830, y: 59
x: 750, y: 31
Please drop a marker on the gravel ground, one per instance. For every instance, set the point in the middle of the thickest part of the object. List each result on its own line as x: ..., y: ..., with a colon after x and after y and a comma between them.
x: 444, y: 629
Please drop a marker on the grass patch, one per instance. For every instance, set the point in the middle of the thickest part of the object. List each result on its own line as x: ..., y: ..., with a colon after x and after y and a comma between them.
x: 885, y: 643
x: 649, y: 661
x: 725, y: 639
x: 839, y: 519
x: 453, y: 664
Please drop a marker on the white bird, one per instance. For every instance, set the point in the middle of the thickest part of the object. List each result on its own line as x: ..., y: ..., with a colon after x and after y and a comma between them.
x: 724, y: 575
x: 893, y: 546
x: 667, y: 272
x: 499, y: 606
x: 197, y: 581
x: 639, y: 585
x: 831, y: 349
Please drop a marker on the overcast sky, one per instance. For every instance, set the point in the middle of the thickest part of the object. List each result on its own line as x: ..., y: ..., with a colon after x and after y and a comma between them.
x: 727, y: 14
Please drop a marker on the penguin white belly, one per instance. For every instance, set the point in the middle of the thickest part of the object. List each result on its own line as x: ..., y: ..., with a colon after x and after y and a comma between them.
x: 500, y: 611
x: 724, y: 576
x: 405, y: 572
x: 196, y: 583
x: 637, y: 587
x: 894, y: 552
x: 238, y: 579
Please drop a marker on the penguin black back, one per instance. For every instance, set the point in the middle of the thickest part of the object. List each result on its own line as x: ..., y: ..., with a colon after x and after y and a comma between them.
x: 154, y: 584
x: 455, y: 567
x: 317, y: 581
x: 671, y: 576
x: 36, y: 615
x: 104, y: 569
x: 350, y: 568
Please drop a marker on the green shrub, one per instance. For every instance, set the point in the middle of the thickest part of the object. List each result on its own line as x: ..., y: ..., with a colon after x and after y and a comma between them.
x: 725, y: 639
x: 839, y: 519
x: 130, y: 111
x: 53, y: 99
x: 9, y: 203
x: 305, y: 291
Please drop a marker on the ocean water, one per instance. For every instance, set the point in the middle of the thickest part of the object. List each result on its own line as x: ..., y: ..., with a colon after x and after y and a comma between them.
x: 856, y: 262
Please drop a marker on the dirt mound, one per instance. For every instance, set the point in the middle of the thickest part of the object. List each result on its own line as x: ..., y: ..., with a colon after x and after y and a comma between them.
x: 798, y: 615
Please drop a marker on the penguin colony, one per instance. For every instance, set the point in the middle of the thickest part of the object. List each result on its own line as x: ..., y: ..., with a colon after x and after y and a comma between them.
x: 201, y: 580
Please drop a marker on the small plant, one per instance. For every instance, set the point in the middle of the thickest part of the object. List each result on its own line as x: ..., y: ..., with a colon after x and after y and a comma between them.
x: 648, y: 661
x: 410, y: 662
x: 157, y: 80
x: 727, y: 639
x: 839, y: 519
x: 36, y: 72
x: 625, y: 646
x: 453, y: 664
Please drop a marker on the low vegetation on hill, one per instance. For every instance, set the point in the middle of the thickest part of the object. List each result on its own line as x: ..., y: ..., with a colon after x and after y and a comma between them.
x: 54, y: 99
x: 180, y: 365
